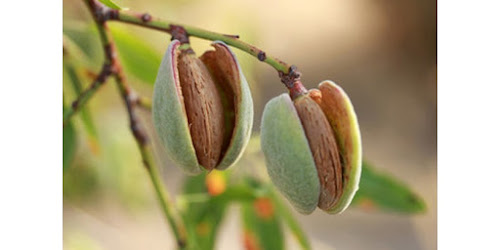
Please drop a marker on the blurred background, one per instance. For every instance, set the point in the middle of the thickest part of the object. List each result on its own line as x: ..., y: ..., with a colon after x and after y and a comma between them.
x: 383, y: 53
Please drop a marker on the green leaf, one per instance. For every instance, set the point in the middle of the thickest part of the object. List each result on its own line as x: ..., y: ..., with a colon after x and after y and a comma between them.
x: 84, y: 113
x: 69, y: 144
x: 290, y: 221
x: 83, y: 43
x: 379, y: 190
x: 261, y: 189
x: 112, y: 4
x: 74, y: 52
x: 262, y: 228
x: 204, y: 217
x: 76, y: 84
x: 91, y: 129
x: 138, y: 57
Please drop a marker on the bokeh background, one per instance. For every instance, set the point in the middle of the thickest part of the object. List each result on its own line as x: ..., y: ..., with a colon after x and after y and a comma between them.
x: 383, y: 53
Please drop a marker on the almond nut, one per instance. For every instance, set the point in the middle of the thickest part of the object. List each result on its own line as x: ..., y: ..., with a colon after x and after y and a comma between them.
x: 202, y: 108
x: 312, y: 147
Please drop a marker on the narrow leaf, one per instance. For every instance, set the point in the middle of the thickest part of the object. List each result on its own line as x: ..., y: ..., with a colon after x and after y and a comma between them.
x: 69, y: 144
x: 381, y: 191
x: 84, y: 113
x: 83, y: 44
x: 261, y: 225
x: 261, y: 189
x: 204, y: 217
x: 74, y: 52
x: 112, y: 4
x: 91, y: 130
x: 138, y: 57
x: 290, y: 221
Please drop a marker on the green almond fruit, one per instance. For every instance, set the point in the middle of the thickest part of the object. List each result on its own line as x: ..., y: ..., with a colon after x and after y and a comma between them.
x: 312, y: 147
x: 202, y: 108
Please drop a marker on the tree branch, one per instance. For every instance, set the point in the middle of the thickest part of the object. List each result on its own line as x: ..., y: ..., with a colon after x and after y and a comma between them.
x: 141, y: 101
x: 142, y: 140
x: 100, y: 12
x: 147, y: 21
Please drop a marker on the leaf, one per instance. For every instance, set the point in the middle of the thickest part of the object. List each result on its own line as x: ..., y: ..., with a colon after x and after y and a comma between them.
x: 379, y: 190
x: 261, y: 225
x: 202, y: 218
x: 290, y: 221
x: 84, y: 111
x: 262, y: 189
x: 74, y: 52
x: 91, y: 130
x: 82, y: 38
x: 69, y: 144
x: 112, y: 4
x: 138, y: 57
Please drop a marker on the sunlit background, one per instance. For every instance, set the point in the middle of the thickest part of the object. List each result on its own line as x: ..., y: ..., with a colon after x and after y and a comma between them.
x: 383, y: 53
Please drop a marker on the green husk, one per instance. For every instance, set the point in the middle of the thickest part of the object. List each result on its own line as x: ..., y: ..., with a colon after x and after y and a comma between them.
x: 289, y: 161
x: 171, y: 122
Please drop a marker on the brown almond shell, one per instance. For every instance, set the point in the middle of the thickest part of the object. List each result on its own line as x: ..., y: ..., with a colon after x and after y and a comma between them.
x: 324, y: 149
x: 204, y: 110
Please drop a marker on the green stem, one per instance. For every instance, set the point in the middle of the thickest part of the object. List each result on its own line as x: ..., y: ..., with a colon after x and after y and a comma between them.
x: 145, y: 20
x: 167, y: 206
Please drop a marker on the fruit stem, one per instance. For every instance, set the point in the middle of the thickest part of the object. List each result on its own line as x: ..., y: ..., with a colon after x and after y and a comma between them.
x: 293, y: 83
x: 297, y: 89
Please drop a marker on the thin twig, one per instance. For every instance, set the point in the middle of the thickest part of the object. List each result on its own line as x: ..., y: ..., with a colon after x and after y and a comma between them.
x: 141, y: 101
x: 131, y: 101
x: 82, y: 99
x: 148, y: 21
